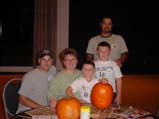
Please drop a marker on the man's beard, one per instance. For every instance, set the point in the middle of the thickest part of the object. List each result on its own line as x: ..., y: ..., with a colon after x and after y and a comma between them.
x: 107, y: 31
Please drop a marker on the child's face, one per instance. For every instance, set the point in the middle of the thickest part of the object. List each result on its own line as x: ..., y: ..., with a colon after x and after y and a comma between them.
x: 103, y: 53
x: 88, y: 71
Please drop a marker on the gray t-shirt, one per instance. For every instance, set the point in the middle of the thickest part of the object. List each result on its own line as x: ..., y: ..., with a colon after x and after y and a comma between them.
x: 35, y: 85
x: 117, y: 43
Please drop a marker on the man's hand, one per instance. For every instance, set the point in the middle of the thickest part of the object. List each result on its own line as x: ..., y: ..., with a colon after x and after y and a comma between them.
x: 118, y: 63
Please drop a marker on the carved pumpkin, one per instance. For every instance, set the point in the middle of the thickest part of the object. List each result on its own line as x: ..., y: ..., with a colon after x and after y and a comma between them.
x: 68, y: 108
x: 102, y: 95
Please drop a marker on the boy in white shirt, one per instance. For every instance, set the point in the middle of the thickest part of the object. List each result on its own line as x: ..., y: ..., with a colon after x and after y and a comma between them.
x: 84, y: 84
x: 106, y: 68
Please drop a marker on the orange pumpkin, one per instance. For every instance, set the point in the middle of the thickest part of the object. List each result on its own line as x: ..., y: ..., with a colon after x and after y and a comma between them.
x: 68, y: 108
x: 102, y: 95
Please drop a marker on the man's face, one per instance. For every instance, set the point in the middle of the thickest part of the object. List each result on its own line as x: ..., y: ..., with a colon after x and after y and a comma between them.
x: 106, y: 25
x: 45, y: 63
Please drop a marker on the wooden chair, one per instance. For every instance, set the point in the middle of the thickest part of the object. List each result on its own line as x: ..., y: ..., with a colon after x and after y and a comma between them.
x: 11, y: 96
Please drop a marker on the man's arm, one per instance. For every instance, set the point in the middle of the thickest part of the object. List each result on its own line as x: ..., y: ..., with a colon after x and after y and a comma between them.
x: 28, y: 102
x: 122, y: 59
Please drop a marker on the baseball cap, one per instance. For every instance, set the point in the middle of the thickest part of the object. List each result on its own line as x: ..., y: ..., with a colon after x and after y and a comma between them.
x: 45, y: 52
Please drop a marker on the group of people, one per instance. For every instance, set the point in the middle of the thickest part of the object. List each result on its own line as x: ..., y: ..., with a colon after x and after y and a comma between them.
x: 45, y: 86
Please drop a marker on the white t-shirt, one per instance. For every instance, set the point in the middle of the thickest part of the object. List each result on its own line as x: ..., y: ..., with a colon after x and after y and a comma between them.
x: 84, y: 87
x: 51, y: 73
x: 108, y: 69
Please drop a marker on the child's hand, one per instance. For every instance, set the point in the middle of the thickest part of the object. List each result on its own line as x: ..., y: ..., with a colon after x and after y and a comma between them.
x: 83, y: 101
x: 117, y: 100
x: 104, y: 80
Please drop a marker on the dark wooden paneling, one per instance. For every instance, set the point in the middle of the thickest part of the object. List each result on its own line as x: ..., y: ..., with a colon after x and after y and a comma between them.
x: 141, y: 91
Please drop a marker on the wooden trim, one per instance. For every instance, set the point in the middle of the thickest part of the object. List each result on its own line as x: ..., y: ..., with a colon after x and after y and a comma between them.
x: 15, y: 68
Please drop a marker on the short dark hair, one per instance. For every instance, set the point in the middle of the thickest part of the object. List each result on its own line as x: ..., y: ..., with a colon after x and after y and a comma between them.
x: 105, y: 17
x: 43, y: 52
x: 65, y: 52
x: 104, y: 44
x: 89, y: 62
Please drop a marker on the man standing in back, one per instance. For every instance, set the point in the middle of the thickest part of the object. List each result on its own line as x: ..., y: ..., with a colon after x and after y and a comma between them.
x: 119, y: 50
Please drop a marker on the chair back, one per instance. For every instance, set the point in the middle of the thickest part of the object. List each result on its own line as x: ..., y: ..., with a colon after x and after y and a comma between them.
x: 11, y: 96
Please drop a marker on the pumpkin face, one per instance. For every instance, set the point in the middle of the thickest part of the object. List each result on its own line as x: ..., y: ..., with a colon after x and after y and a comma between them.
x: 68, y: 108
x: 102, y: 95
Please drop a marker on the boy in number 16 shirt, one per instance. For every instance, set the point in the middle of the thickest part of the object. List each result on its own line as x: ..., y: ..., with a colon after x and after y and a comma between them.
x: 108, y: 69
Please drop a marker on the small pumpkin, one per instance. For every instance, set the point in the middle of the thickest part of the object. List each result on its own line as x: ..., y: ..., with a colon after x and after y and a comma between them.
x: 68, y: 108
x: 102, y: 95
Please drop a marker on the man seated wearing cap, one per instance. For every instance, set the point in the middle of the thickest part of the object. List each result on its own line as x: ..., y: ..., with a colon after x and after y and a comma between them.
x: 35, y: 84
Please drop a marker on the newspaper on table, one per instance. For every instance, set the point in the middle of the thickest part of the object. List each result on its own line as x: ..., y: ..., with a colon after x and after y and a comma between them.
x: 113, y: 112
x: 128, y: 113
x: 42, y: 113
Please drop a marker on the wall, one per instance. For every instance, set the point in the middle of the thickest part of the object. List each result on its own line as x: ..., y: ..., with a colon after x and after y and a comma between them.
x: 141, y: 91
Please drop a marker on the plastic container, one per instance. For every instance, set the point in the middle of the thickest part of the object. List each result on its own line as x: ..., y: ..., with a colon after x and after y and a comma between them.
x: 85, y: 112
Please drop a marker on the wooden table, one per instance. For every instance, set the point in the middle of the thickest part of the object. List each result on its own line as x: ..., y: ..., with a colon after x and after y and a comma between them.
x: 113, y: 112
